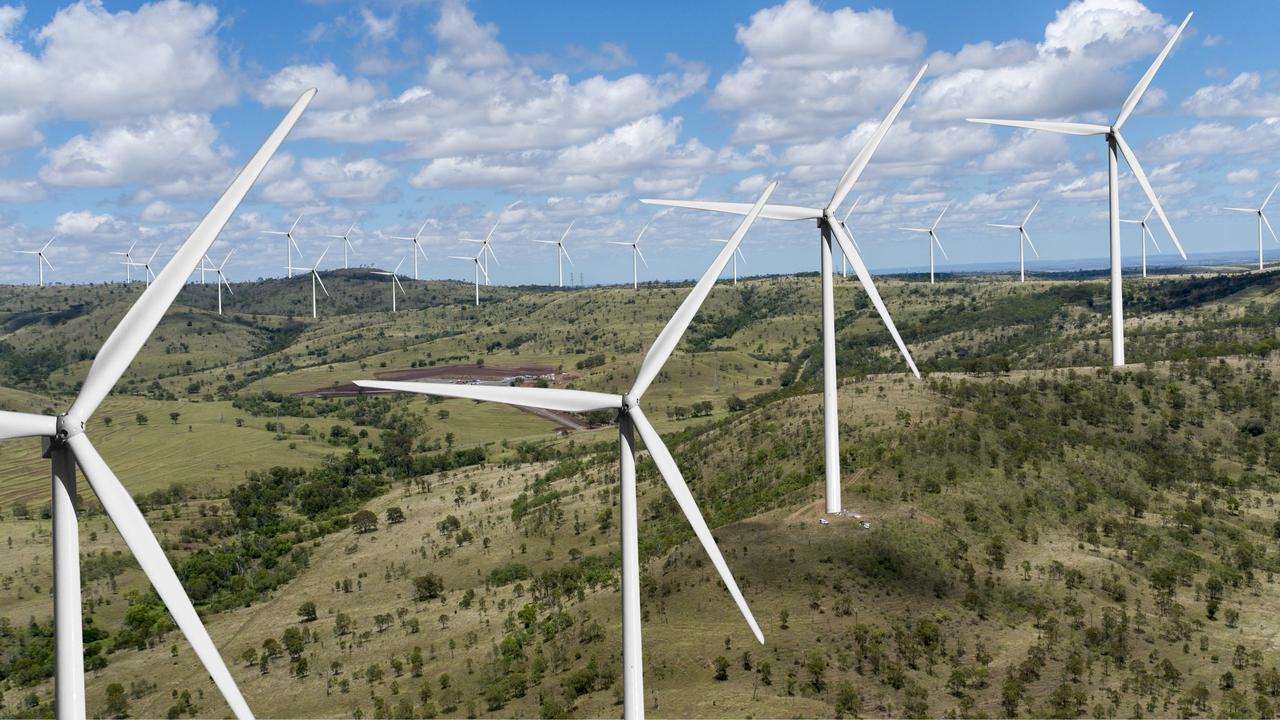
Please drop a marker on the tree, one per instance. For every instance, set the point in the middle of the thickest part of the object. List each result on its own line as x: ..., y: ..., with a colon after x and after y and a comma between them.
x: 117, y: 701
x: 427, y: 587
x: 722, y: 668
x: 364, y: 521
x: 293, y: 642
x: 817, y: 667
x: 173, y: 417
x: 848, y: 701
x: 342, y: 624
x: 395, y: 516
x: 140, y: 418
x: 307, y: 612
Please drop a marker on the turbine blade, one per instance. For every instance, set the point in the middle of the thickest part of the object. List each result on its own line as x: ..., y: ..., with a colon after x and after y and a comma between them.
x: 1141, y: 177
x: 1267, y: 222
x: 1002, y: 225
x: 295, y: 223
x: 938, y: 242
x: 422, y: 252
x: 396, y: 280
x: 1248, y: 210
x: 852, y: 239
x: 18, y: 425
x: 545, y: 398
x: 45, y: 260
x: 670, y: 336
x: 46, y: 245
x: 225, y: 259
x: 641, y: 256
x: 944, y: 212
x: 1260, y: 209
x: 615, y: 242
x: 1147, y: 217
x: 321, y: 258
x: 1147, y: 233
x: 864, y: 156
x: 923, y: 230
x: 846, y: 246
x: 1066, y: 128
x: 1029, y: 214
x: 133, y: 527
x: 670, y: 472
x: 131, y: 334
x: 1135, y: 95
x: 322, y: 287
x: 770, y: 212
x: 566, y: 231
x: 1027, y: 236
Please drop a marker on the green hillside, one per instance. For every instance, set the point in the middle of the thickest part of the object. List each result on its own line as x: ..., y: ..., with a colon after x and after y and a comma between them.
x: 1048, y: 536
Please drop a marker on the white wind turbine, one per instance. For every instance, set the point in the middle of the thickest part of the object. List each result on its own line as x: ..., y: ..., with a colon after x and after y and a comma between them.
x: 146, y: 266
x: 41, y: 260
x: 635, y: 253
x: 630, y: 417
x: 315, y: 278
x: 479, y: 268
x: 346, y: 244
x: 829, y: 227
x: 736, y: 255
x: 222, y: 278
x: 127, y: 262
x: 395, y: 282
x: 417, y: 246
x: 1146, y: 233
x: 933, y: 239
x: 289, y: 244
x: 1115, y: 144
x: 1024, y: 237
x: 1262, y: 219
x: 66, y: 444
x: 561, y: 253
x: 486, y: 249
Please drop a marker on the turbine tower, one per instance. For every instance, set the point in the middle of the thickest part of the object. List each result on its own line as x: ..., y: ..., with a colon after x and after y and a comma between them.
x: 635, y: 252
x: 561, y: 253
x: 66, y: 445
x: 127, y: 262
x: 222, y: 278
x: 315, y: 278
x: 289, y: 244
x: 395, y: 282
x: 41, y: 260
x: 1115, y: 145
x: 417, y: 246
x: 479, y: 268
x: 1262, y: 219
x: 1024, y: 237
x: 828, y: 228
x: 346, y: 244
x: 1146, y: 233
x: 932, y: 230
x: 630, y: 418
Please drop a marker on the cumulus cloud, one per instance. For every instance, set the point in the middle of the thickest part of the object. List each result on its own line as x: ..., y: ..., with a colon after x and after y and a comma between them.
x: 1238, y: 98
x: 336, y: 89
x: 1243, y: 176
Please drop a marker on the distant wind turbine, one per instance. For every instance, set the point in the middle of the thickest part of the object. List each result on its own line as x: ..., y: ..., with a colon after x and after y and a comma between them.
x: 1146, y: 233
x: 630, y: 418
x: 486, y: 249
x: 1262, y: 219
x: 41, y: 260
x: 315, y: 278
x: 1024, y: 237
x: 635, y: 252
x: 1115, y: 144
x: 416, y: 250
x: 147, y: 265
x: 346, y: 244
x: 736, y: 255
x: 289, y: 244
x: 561, y: 253
x: 127, y: 262
x: 479, y: 268
x: 395, y: 282
x: 222, y: 278
x: 830, y: 229
x: 932, y: 230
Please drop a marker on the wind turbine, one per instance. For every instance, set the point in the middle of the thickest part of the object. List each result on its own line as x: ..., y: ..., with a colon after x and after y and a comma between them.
x: 147, y: 265
x: 829, y: 227
x: 289, y: 244
x: 1115, y: 144
x: 479, y: 267
x: 844, y: 261
x: 1023, y: 236
x: 127, y: 262
x: 630, y: 417
x: 635, y: 253
x: 561, y: 253
x: 395, y: 282
x: 486, y: 249
x: 1146, y: 232
x: 41, y: 260
x: 1262, y: 219
x: 66, y: 445
x: 346, y: 243
x: 315, y: 278
x: 222, y: 279
x: 932, y: 230
x: 736, y: 255
x: 417, y: 247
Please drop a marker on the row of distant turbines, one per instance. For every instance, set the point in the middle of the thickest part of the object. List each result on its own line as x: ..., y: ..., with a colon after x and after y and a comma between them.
x: 66, y: 443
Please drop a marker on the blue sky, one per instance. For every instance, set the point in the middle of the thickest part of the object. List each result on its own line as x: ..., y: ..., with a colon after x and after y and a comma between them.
x: 450, y: 112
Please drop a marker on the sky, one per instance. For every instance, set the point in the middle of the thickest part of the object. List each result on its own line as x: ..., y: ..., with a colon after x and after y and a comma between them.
x: 124, y: 121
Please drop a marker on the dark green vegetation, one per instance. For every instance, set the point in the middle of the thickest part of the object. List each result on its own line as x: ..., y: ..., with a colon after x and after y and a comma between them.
x: 1048, y: 537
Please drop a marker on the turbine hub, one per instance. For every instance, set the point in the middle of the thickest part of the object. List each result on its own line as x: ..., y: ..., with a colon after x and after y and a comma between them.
x: 68, y: 426
x: 628, y: 402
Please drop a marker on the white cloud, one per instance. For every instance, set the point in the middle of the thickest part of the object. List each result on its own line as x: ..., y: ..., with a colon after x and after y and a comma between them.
x: 1216, y: 138
x: 83, y: 222
x: 1238, y: 98
x: 335, y: 89
x: 1243, y: 176
x: 21, y: 191
x: 365, y: 179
